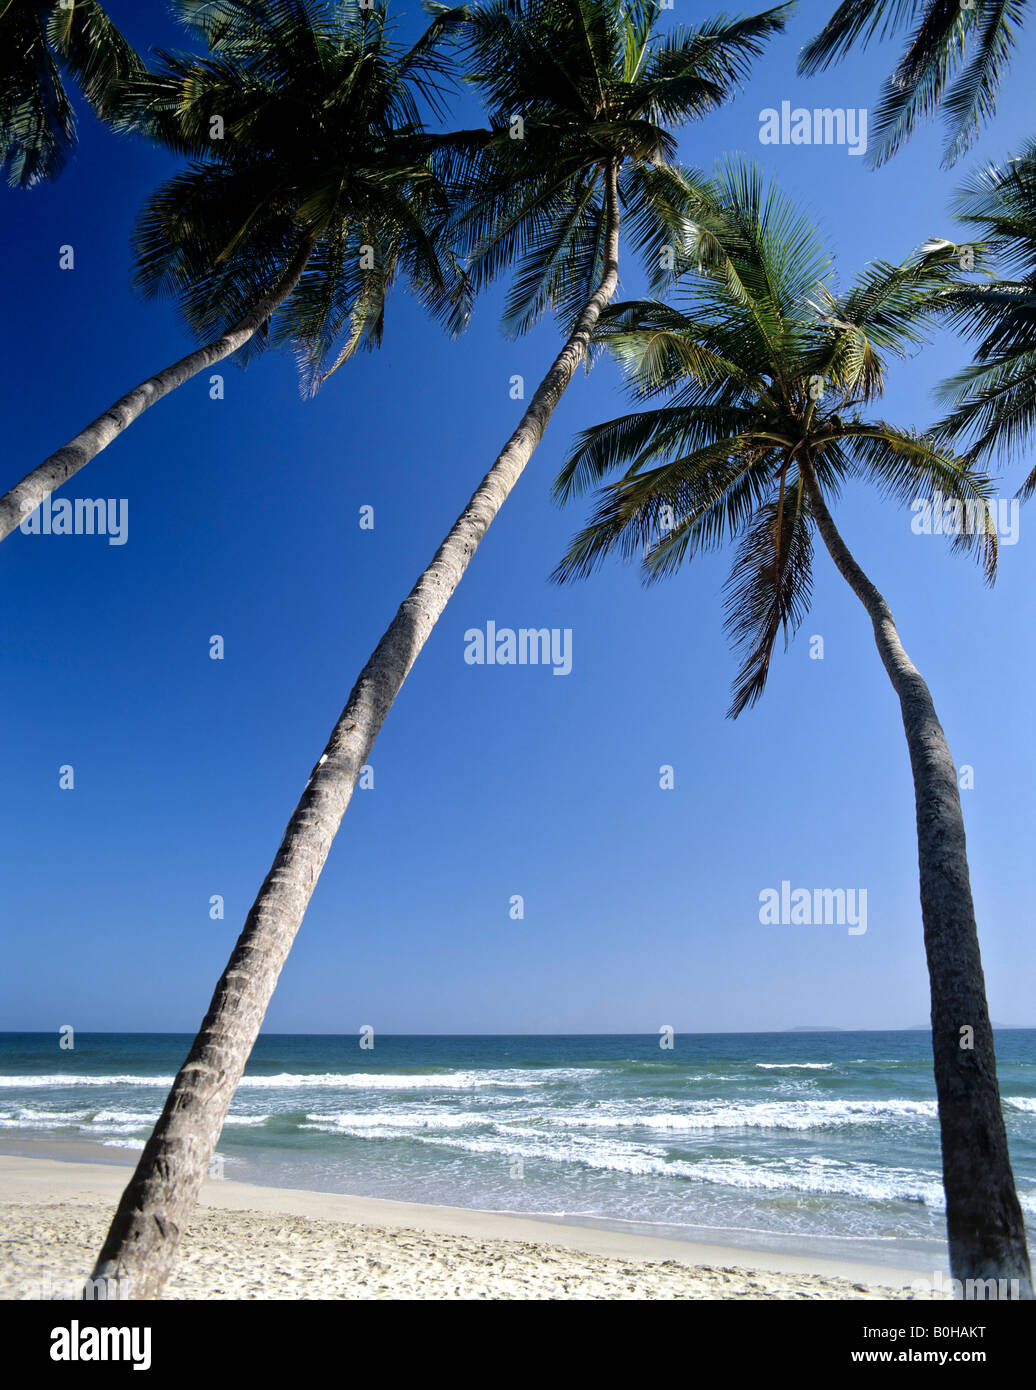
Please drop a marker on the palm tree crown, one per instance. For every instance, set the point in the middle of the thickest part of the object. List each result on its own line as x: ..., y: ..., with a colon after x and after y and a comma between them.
x: 39, y: 38
x: 956, y: 55
x: 304, y: 131
x: 765, y: 366
x: 575, y: 89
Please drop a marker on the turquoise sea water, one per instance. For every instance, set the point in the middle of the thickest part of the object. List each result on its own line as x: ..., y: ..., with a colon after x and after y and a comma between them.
x: 817, y: 1141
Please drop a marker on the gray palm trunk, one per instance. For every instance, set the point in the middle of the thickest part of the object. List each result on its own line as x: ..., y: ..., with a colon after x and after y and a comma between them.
x: 984, y: 1222
x: 26, y: 496
x: 142, y: 1242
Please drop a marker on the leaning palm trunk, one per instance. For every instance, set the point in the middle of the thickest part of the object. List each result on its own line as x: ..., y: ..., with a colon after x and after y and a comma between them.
x: 146, y: 1229
x: 984, y: 1223
x: 26, y: 496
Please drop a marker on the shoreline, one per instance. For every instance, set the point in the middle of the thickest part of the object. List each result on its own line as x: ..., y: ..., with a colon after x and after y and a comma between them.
x: 250, y: 1241
x: 895, y: 1263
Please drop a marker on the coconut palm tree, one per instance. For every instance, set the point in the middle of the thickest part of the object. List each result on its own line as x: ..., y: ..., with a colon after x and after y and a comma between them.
x: 956, y: 55
x: 311, y: 187
x: 995, y: 397
x: 38, y: 40
x: 769, y: 372
x: 596, y: 89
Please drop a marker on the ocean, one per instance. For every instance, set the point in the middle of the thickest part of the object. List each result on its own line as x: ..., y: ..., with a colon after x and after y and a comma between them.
x: 824, y: 1142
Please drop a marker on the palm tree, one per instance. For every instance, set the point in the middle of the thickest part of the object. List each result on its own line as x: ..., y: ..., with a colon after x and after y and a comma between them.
x: 38, y: 38
x: 766, y: 367
x: 995, y: 397
x: 954, y: 42
x: 595, y: 87
x: 311, y: 186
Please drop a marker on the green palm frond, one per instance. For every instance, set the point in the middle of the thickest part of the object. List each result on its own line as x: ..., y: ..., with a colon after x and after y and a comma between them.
x: 636, y: 440
x: 665, y: 209
x: 691, y: 356
x: 972, y: 99
x: 1000, y: 199
x: 339, y: 305
x: 995, y: 398
x: 559, y: 257
x: 770, y: 587
x: 37, y: 123
x: 691, y: 72
x: 914, y: 91
x: 1002, y: 315
x: 889, y: 309
x: 996, y: 411
x: 955, y: 58
x: 40, y: 42
x: 94, y: 52
x: 895, y: 305
x: 571, y: 86
x: 303, y: 126
x: 912, y: 467
x: 761, y: 366
x: 663, y: 516
x: 855, y: 22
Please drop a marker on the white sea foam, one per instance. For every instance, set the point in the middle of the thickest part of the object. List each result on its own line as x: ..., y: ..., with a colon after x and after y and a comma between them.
x: 62, y: 1079
x: 826, y: 1176
x: 1024, y: 1103
x: 794, y: 1066
x: 136, y: 1118
x: 704, y: 1116
x: 520, y: 1077
x: 388, y: 1119
x: 804, y: 1114
x: 833, y: 1177
x: 101, y: 1121
x: 808, y: 1176
x: 25, y: 1118
x: 512, y: 1141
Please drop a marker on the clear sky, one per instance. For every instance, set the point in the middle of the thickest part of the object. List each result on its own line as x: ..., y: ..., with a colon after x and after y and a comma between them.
x: 641, y: 905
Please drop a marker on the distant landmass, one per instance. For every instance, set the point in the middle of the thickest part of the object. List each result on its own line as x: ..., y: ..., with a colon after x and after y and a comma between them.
x: 816, y: 1028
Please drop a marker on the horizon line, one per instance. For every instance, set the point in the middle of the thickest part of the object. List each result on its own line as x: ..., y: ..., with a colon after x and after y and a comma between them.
x: 710, y: 1033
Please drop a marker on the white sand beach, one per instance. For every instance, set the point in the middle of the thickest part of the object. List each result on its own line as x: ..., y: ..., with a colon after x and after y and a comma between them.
x: 249, y: 1242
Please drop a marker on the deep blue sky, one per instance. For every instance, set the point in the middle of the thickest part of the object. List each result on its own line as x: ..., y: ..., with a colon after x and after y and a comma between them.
x: 641, y: 905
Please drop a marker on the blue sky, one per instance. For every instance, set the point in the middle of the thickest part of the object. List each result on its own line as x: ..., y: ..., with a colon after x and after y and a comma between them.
x: 641, y: 904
